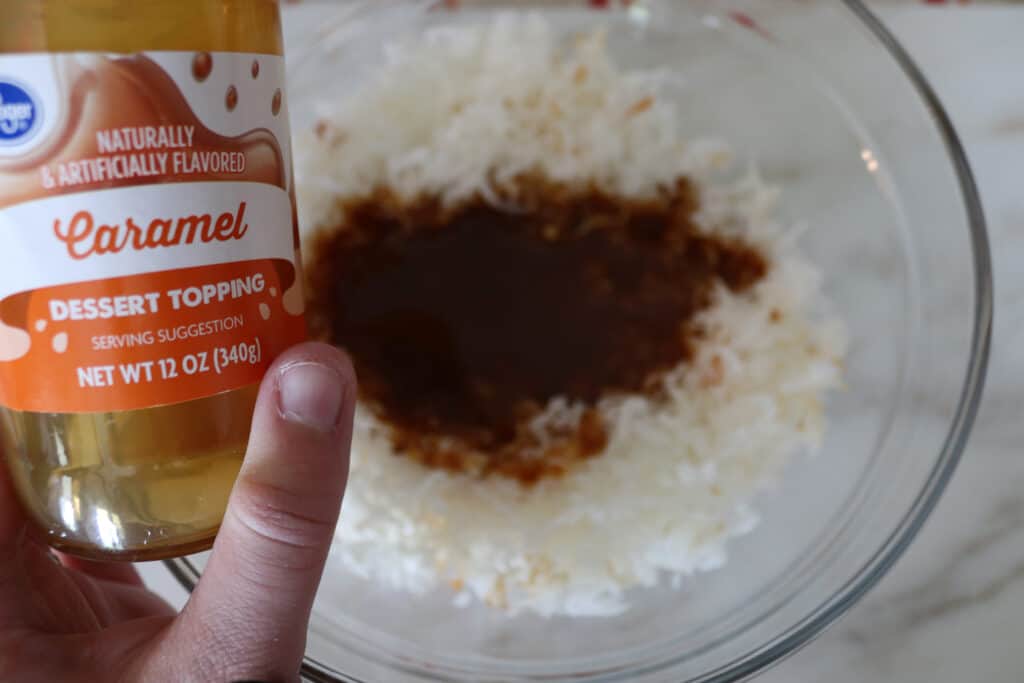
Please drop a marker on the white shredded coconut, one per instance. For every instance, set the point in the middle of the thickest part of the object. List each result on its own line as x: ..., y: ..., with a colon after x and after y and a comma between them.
x: 458, y: 111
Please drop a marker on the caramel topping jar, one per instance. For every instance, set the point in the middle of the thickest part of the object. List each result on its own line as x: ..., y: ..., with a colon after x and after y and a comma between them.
x: 149, y: 264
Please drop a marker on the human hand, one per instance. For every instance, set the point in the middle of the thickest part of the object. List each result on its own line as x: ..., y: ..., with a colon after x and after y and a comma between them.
x: 64, y: 619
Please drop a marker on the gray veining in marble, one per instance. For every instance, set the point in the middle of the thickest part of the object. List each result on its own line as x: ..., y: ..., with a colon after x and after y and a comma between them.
x: 953, y: 608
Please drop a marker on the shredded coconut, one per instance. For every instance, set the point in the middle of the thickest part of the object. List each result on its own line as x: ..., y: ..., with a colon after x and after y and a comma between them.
x: 458, y: 111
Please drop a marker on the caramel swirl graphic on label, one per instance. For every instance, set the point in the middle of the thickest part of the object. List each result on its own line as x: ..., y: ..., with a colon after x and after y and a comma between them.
x: 132, y: 92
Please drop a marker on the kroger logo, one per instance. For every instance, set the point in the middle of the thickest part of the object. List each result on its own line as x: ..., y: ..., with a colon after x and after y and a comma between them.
x: 18, y: 113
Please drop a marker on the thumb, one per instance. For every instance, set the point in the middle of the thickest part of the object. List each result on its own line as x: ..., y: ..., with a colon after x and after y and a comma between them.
x: 248, y: 616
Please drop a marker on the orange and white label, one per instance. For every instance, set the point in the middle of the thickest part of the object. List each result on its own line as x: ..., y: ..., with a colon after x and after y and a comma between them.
x: 148, y: 236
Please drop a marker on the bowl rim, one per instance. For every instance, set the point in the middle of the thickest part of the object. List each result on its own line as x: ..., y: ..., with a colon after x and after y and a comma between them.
x: 885, y: 557
x: 815, y: 624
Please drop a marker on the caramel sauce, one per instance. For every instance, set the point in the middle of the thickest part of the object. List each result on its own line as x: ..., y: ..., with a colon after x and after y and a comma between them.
x: 464, y: 321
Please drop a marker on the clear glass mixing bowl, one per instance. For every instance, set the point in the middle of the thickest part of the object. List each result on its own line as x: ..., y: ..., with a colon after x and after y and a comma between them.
x: 833, y: 111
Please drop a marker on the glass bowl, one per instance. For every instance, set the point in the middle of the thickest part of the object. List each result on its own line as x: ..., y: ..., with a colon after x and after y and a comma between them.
x: 834, y: 112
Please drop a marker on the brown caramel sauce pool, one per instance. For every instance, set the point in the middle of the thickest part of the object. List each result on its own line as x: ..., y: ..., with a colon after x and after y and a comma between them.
x: 463, y: 322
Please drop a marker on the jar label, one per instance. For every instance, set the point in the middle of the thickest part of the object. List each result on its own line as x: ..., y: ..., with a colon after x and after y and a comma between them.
x: 148, y: 232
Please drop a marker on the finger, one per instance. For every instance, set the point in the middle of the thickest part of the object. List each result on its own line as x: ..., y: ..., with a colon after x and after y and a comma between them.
x: 13, y: 529
x: 43, y: 595
x: 80, y: 597
x: 133, y: 602
x: 116, y: 601
x: 257, y: 590
x: 118, y: 572
x: 12, y: 517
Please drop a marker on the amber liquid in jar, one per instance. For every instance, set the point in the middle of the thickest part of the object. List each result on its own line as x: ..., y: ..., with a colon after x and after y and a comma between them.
x: 152, y: 483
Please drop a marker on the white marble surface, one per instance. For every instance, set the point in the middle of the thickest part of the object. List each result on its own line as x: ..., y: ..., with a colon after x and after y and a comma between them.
x: 953, y: 608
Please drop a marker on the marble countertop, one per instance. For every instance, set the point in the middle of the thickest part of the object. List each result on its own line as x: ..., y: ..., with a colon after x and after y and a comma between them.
x: 953, y: 607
